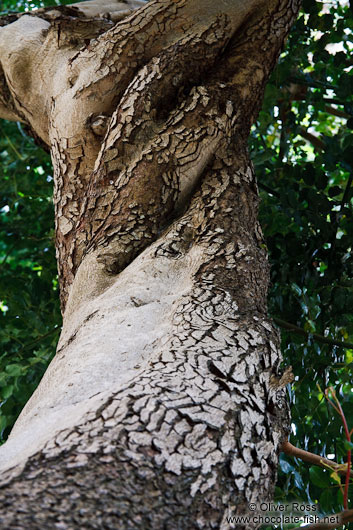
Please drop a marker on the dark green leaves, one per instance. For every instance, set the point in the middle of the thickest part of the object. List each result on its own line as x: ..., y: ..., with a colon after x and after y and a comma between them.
x: 302, y: 148
x: 29, y: 312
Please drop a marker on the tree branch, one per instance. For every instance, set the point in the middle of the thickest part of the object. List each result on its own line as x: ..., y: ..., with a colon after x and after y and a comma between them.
x: 268, y: 190
x: 334, y: 101
x: 336, y: 112
x: 314, y: 140
x: 343, y: 518
x: 38, y: 339
x: 308, y: 81
x: 314, y: 459
x: 316, y: 336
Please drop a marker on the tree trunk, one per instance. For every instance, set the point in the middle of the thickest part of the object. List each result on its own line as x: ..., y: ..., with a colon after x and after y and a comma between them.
x: 164, y: 406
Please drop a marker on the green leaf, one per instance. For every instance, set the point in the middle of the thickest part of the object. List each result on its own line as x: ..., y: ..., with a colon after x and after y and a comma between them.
x: 348, y: 445
x: 326, y: 500
x: 320, y: 477
x: 13, y: 369
x: 296, y: 289
x: 7, y: 391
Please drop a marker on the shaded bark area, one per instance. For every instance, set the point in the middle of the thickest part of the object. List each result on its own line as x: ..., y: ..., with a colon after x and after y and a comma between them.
x: 122, y: 497
x: 163, y: 272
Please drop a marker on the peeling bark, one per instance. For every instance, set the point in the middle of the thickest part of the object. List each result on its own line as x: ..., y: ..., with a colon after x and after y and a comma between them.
x: 163, y: 397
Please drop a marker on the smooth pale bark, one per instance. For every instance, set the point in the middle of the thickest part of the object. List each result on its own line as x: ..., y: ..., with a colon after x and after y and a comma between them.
x: 164, y: 406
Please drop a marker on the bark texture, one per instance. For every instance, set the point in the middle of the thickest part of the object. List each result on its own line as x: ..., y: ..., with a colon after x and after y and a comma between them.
x: 164, y: 406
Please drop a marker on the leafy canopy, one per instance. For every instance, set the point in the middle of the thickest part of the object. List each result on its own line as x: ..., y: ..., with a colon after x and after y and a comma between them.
x: 302, y: 147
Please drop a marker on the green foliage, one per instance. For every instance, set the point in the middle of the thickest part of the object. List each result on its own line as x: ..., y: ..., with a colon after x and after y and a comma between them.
x: 302, y: 147
x: 7, y: 6
x: 29, y: 312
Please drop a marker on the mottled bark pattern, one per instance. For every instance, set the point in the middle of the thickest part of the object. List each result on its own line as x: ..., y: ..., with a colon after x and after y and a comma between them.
x: 162, y: 266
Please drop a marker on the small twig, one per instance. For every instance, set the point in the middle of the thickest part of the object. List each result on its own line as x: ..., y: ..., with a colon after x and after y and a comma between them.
x: 314, y: 140
x: 3, y: 261
x: 336, y: 112
x: 311, y: 82
x: 38, y: 339
x: 316, y: 336
x: 334, y: 101
x: 13, y: 147
x: 338, y: 408
x: 314, y: 459
x: 269, y: 190
x: 343, y: 517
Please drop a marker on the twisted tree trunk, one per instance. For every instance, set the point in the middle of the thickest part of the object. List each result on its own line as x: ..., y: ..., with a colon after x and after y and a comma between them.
x: 163, y: 407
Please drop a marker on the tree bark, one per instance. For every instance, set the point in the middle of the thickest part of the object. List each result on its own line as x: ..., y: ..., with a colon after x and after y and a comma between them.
x: 164, y: 405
